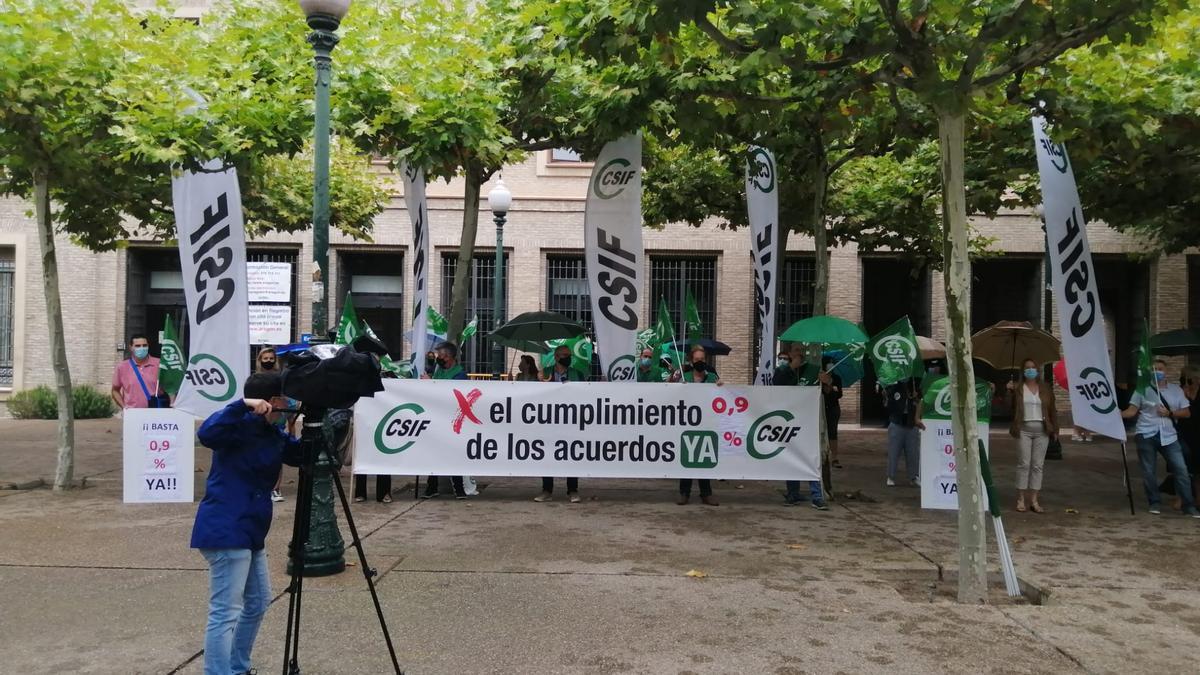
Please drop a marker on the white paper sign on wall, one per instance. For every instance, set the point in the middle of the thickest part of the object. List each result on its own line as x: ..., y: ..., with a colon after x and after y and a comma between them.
x: 269, y: 281
x: 270, y: 324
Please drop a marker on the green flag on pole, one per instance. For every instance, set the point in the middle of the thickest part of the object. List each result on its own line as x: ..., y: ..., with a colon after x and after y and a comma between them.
x: 581, y: 353
x: 691, y: 317
x: 468, y: 331
x: 349, y: 326
x: 1145, y: 363
x: 895, y: 354
x: 171, y: 368
x: 664, y: 329
x: 437, y: 323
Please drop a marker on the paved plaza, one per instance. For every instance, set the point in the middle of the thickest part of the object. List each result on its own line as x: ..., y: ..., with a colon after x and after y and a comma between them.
x: 500, y: 584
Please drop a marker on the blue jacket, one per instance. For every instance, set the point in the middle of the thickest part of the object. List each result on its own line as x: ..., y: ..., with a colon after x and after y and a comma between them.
x: 248, y: 453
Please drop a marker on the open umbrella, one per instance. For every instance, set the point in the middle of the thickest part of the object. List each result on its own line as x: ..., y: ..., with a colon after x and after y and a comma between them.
x: 1176, y: 342
x: 930, y: 349
x: 711, y: 347
x: 825, y: 330
x: 1007, y: 344
x: 539, y: 327
x: 520, y: 344
x: 847, y: 364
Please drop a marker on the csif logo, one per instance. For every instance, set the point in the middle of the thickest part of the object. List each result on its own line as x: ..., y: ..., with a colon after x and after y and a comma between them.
x: 206, y: 371
x: 171, y: 357
x: 760, y: 167
x: 1093, y: 385
x: 941, y: 403
x: 895, y: 349
x: 773, y: 427
x: 400, y: 428
x: 621, y: 370
x: 1057, y: 153
x: 612, y: 178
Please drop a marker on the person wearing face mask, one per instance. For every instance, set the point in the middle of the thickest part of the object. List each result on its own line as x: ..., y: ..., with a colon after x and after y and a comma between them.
x: 135, y: 380
x: 1156, y: 409
x: 785, y: 375
x: 1034, y: 424
x: 648, y: 370
x: 233, y: 518
x: 268, y: 362
x: 697, y: 371
x: 561, y: 373
x: 447, y: 368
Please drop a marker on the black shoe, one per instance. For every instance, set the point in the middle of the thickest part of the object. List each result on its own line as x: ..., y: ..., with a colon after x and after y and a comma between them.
x: 792, y: 500
x: 429, y: 495
x: 460, y: 495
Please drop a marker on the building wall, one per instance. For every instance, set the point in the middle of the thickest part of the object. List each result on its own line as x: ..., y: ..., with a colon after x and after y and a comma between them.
x: 546, y: 218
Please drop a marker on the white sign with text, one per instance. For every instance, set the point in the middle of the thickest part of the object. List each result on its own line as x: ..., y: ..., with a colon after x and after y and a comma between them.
x: 159, y: 455
x: 269, y: 281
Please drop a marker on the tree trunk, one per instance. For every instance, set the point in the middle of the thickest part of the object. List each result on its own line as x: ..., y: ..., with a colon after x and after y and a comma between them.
x: 456, y: 318
x: 819, y: 179
x: 972, y: 552
x: 65, y: 472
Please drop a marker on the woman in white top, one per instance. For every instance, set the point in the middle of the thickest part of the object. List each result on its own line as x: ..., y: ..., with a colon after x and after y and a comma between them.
x: 1034, y: 423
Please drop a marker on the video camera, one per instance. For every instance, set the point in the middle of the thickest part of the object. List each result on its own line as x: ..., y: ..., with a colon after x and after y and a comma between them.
x: 326, y: 376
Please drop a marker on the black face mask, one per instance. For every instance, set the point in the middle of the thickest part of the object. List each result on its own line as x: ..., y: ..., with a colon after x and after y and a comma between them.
x: 442, y: 363
x: 700, y: 366
x: 267, y: 365
x: 564, y: 361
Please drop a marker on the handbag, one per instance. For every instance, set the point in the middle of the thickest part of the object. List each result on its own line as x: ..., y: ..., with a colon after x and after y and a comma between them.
x: 155, y: 401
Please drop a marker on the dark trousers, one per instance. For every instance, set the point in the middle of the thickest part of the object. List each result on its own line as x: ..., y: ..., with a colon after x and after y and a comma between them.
x: 572, y: 485
x: 383, y: 486
x: 685, y: 487
x: 431, y: 487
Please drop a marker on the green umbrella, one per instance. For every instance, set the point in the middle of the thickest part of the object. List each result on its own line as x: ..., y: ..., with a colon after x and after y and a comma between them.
x: 1176, y: 342
x: 847, y: 364
x: 825, y: 330
x: 539, y: 327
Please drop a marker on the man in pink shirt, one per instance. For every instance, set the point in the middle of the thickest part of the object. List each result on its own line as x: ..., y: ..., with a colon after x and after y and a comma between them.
x: 126, y: 390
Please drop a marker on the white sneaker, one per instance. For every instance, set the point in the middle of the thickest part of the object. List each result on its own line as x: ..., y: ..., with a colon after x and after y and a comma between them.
x: 916, y: 482
x: 276, y: 496
x: 891, y: 483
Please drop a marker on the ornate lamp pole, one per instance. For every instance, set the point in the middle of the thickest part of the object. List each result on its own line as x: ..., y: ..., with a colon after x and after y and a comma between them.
x: 499, y: 199
x: 324, y: 552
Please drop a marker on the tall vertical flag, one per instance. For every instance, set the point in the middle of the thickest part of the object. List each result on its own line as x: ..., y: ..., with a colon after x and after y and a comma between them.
x: 170, y: 362
x: 691, y: 318
x: 212, y: 254
x: 418, y: 213
x: 612, y: 234
x: 762, y: 205
x: 894, y: 353
x: 1085, y: 346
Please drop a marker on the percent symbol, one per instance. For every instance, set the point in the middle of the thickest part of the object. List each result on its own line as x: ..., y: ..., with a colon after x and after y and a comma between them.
x: 732, y: 439
x: 160, y: 463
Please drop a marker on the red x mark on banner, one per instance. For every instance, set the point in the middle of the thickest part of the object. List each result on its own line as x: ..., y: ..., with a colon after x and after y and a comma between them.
x: 464, y: 408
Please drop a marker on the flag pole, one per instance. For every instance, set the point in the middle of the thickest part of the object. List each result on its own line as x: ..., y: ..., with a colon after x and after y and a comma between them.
x: 1128, y: 485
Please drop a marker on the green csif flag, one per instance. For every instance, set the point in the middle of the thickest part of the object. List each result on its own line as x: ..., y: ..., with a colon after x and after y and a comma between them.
x: 468, y: 331
x: 895, y: 354
x: 664, y: 330
x: 691, y: 317
x: 438, y: 325
x: 171, y: 366
x: 349, y: 326
x: 581, y: 353
x: 1145, y: 363
x: 939, y: 400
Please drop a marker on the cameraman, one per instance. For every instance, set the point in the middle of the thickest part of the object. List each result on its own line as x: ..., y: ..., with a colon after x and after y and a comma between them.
x: 234, y: 516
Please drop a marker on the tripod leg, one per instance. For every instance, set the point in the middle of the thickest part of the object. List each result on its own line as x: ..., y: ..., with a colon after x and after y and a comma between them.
x: 300, y: 532
x: 368, y: 572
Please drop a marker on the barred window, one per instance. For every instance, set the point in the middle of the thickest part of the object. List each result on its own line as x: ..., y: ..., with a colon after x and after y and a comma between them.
x: 476, y: 355
x: 8, y: 273
x: 567, y: 288
x: 670, y: 280
x: 795, y: 290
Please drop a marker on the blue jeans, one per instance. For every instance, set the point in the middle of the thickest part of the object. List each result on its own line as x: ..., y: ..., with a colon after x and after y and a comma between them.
x: 240, y: 591
x: 1148, y: 448
x: 814, y: 491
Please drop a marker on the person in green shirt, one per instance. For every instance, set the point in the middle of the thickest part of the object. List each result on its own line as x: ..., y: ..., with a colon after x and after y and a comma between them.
x: 648, y: 370
x: 698, y: 371
x: 792, y: 354
x: 447, y: 368
x: 561, y: 372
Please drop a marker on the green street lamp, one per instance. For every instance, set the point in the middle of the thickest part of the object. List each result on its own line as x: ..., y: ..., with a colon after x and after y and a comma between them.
x: 499, y: 199
x: 324, y: 553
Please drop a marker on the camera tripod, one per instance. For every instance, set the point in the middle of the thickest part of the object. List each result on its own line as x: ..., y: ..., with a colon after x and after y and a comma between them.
x: 312, y: 440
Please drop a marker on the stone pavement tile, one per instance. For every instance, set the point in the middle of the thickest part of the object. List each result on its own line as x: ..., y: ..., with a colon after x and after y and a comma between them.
x: 579, y: 623
x: 99, y: 621
x: 1120, y: 631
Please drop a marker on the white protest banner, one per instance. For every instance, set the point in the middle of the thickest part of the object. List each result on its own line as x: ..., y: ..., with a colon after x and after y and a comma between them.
x: 762, y: 205
x: 615, y: 430
x: 418, y: 213
x: 159, y: 455
x: 270, y: 324
x: 939, y: 474
x: 1085, y: 346
x: 269, y: 282
x: 212, y: 254
x: 612, y: 235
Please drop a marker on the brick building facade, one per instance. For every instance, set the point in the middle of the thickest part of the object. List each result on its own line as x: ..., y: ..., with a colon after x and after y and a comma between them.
x: 106, y: 296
